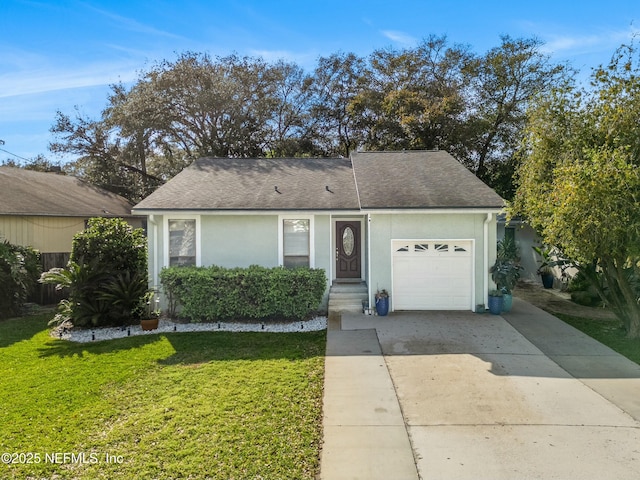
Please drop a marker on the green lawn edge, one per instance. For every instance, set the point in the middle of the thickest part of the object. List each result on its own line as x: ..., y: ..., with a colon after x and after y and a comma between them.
x: 609, y: 332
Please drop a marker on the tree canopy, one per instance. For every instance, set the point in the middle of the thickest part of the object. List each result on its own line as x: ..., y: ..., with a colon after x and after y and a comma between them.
x: 433, y: 96
x: 579, y: 182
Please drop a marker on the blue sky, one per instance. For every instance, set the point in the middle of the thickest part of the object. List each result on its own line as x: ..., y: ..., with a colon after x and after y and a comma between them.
x: 55, y: 55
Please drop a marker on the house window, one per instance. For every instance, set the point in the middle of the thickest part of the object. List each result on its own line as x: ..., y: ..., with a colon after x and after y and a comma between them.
x: 182, y: 242
x: 295, y: 243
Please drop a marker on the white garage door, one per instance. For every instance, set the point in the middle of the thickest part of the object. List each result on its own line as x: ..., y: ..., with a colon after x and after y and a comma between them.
x: 432, y: 275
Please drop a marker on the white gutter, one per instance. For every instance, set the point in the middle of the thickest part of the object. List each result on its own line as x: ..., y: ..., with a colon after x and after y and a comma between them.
x: 369, y: 259
x: 154, y: 260
x: 486, y: 258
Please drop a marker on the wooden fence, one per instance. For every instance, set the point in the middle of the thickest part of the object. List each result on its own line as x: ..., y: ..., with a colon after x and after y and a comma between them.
x: 47, y: 294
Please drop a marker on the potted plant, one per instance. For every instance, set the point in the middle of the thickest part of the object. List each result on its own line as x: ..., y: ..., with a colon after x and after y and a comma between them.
x: 496, y: 300
x: 151, y: 316
x: 382, y: 302
x: 549, y: 258
x: 505, y: 274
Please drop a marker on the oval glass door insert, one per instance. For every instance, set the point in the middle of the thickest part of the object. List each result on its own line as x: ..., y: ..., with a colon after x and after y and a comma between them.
x: 348, y: 241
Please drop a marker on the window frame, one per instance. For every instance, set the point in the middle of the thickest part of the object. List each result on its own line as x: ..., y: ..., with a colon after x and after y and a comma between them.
x: 281, y: 219
x: 198, y: 239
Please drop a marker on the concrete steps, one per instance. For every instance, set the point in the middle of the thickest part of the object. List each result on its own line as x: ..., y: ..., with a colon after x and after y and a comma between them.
x: 347, y: 297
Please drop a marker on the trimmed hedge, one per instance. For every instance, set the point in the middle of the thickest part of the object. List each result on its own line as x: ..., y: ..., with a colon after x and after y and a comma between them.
x: 216, y: 293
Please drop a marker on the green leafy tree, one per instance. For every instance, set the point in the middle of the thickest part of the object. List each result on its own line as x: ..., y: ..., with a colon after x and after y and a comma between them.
x: 579, y: 183
x: 414, y: 98
x: 503, y: 82
x: 335, y: 85
x: 105, y: 158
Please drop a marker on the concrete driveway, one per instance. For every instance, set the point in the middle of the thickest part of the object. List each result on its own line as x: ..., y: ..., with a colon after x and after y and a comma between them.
x: 467, y: 396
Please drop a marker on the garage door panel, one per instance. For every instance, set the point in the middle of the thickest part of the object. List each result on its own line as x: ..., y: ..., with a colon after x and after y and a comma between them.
x: 431, y: 275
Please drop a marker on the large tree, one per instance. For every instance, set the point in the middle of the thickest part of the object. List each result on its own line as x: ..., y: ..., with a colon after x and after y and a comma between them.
x: 335, y: 85
x: 178, y: 111
x: 104, y: 158
x: 579, y: 183
x: 428, y: 97
x: 414, y: 98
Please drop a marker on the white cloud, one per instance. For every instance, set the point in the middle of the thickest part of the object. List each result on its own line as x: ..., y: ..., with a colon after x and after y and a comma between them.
x: 133, y: 25
x: 400, y: 37
x: 604, y: 40
x: 45, y: 78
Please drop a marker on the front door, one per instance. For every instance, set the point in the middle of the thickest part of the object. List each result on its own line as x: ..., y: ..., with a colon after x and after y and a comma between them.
x: 348, y: 249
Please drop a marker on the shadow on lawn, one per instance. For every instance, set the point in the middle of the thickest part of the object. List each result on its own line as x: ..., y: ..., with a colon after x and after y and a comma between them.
x: 65, y: 348
x: 14, y: 330
x: 202, y: 347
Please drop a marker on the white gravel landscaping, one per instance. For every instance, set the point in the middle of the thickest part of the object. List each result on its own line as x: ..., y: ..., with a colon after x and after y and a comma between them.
x: 167, y: 326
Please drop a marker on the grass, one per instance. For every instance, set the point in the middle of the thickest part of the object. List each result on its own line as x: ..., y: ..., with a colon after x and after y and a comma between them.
x: 214, y: 405
x: 609, y: 332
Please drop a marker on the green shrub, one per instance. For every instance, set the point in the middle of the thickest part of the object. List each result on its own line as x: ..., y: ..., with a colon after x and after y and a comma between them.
x: 19, y: 272
x: 113, y: 245
x: 216, y: 293
x: 106, y: 275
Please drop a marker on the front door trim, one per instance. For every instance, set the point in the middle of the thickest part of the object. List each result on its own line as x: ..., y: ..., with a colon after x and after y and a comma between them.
x: 337, y: 224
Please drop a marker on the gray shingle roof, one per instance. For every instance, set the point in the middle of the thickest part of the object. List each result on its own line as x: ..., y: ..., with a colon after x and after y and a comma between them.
x: 26, y: 192
x: 250, y: 184
x: 419, y: 179
x: 413, y: 179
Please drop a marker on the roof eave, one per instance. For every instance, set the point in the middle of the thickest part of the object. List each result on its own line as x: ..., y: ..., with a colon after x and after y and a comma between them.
x: 236, y: 211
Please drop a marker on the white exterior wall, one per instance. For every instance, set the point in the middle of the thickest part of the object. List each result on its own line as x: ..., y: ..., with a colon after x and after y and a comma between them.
x: 432, y: 226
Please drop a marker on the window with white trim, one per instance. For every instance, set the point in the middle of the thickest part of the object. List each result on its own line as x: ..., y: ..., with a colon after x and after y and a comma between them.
x: 182, y: 242
x: 296, y: 242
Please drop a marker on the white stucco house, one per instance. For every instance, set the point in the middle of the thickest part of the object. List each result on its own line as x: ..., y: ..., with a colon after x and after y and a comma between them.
x: 415, y: 223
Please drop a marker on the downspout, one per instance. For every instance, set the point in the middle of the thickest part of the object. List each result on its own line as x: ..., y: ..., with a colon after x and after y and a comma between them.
x: 154, y: 259
x: 485, y: 274
x: 369, y: 260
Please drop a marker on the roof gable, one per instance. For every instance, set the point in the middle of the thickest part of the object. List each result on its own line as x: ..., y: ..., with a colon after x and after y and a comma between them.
x: 419, y: 179
x: 27, y: 192
x: 259, y: 184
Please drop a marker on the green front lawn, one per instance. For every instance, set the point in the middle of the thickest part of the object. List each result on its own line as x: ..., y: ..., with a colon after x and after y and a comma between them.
x: 185, y: 405
x: 608, y: 332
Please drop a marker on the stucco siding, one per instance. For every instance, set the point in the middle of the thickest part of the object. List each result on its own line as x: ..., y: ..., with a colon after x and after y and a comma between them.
x: 322, y: 243
x: 239, y: 241
x: 436, y: 226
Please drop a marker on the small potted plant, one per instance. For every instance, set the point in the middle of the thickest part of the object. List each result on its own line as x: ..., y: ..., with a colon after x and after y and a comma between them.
x: 382, y: 302
x: 151, y: 315
x: 496, y: 300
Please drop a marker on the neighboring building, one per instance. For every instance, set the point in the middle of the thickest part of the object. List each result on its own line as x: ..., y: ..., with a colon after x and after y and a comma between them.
x: 525, y: 238
x: 417, y: 223
x: 45, y: 210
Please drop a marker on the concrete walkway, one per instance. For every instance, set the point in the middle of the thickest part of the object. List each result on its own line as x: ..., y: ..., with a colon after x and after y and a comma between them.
x: 456, y: 395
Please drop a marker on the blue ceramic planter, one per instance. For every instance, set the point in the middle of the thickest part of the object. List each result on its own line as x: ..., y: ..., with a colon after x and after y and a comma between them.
x: 382, y: 306
x: 495, y: 305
